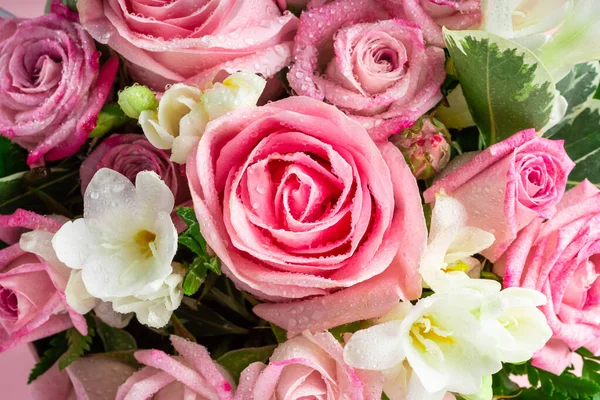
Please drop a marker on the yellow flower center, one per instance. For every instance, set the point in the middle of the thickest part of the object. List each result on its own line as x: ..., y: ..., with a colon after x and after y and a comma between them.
x: 144, y: 239
x: 427, y: 336
x: 458, y: 266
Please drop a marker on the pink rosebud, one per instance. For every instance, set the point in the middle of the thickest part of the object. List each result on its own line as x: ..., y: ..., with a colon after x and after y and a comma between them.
x: 130, y: 154
x: 32, y: 284
x: 308, y: 366
x: 507, y: 186
x: 561, y: 258
x: 89, y: 378
x: 50, y: 89
x: 192, y: 40
x: 431, y: 15
x: 304, y: 209
x: 192, y: 374
x: 378, y: 70
x: 425, y: 146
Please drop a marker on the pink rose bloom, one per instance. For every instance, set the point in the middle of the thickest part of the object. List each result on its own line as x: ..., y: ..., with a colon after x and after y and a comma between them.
x: 87, y: 378
x: 192, y: 40
x: 32, y: 284
x: 130, y: 154
x: 508, y: 185
x: 51, y: 89
x: 191, y: 375
x: 377, y: 70
x: 561, y: 258
x: 431, y: 15
x: 307, y: 367
x: 298, y: 201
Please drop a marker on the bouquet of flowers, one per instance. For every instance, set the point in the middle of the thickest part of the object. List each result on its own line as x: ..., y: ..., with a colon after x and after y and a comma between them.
x: 269, y: 200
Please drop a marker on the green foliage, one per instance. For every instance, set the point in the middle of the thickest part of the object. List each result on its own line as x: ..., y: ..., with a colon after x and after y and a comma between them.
x: 12, y: 158
x: 237, y: 360
x: 114, y: 339
x: 579, y: 85
x: 72, y: 4
x: 338, y: 331
x: 204, y: 262
x: 279, y: 332
x: 78, y: 346
x: 58, y: 346
x: 201, y: 320
x: 506, y: 87
x: 110, y: 117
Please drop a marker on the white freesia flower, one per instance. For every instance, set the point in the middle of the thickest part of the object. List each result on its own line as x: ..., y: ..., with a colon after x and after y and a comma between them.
x: 401, y: 383
x: 124, y: 244
x: 518, y: 326
x: 441, y: 339
x: 447, y: 261
x: 184, y: 111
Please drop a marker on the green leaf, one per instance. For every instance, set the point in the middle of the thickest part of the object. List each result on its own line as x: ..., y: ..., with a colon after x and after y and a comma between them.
x: 502, y: 385
x: 237, y: 360
x: 58, y: 346
x: 114, y: 339
x: 195, y: 277
x: 78, y: 345
x: 506, y: 87
x: 201, y: 320
x: 338, y: 331
x: 191, y: 238
x: 582, y: 143
x: 110, y: 117
x: 280, y: 333
x: 573, y: 387
x: 579, y: 86
x: 12, y: 158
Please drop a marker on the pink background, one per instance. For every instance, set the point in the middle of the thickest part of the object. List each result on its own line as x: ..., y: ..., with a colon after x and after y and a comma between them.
x: 24, y: 8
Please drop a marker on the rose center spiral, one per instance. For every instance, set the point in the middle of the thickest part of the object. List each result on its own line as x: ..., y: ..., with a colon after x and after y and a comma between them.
x: 9, y: 304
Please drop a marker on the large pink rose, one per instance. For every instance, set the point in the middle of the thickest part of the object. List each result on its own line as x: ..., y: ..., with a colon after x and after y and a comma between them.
x: 192, y: 40
x: 561, y: 258
x: 50, y: 89
x: 298, y: 201
x: 129, y: 154
x: 191, y: 375
x: 32, y: 284
x: 87, y: 378
x: 375, y: 69
x: 507, y: 186
x: 307, y: 367
x: 431, y: 15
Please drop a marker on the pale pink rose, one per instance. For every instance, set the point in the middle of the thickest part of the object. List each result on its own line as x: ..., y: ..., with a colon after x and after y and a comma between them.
x: 32, y: 284
x: 192, y: 40
x: 298, y: 201
x: 431, y: 15
x: 191, y: 375
x: 561, y: 258
x: 87, y: 378
x: 377, y: 70
x: 508, y: 185
x: 307, y: 367
x: 51, y: 89
x: 130, y: 154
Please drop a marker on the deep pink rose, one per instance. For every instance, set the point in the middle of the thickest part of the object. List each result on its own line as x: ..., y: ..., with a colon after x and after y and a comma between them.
x: 50, y: 89
x: 377, y: 70
x: 129, y: 154
x: 192, y: 40
x: 431, y: 15
x: 508, y: 185
x: 32, y: 284
x: 561, y: 258
x: 191, y: 375
x: 298, y: 201
x: 307, y: 367
x: 87, y: 378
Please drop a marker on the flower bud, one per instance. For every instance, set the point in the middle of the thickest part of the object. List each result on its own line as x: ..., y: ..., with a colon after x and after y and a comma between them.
x: 135, y: 99
x: 426, y: 147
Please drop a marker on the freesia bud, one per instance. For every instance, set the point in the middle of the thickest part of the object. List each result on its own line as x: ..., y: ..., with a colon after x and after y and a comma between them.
x: 135, y: 99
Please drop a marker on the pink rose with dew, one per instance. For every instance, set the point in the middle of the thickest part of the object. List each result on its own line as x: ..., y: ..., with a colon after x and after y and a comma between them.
x: 32, y: 284
x: 191, y: 375
x: 129, y: 154
x: 507, y: 186
x: 308, y: 366
x: 432, y: 15
x: 89, y: 378
x: 192, y: 40
x: 561, y: 258
x: 304, y: 209
x: 51, y: 84
x: 350, y: 53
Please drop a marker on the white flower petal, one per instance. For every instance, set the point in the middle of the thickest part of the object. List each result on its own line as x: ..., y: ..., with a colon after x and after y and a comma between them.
x: 375, y: 348
x: 104, y: 311
x: 108, y: 190
x: 156, y: 134
x: 73, y: 243
x: 148, y: 185
x: 183, y: 146
x: 78, y: 298
x: 241, y: 89
x: 173, y: 106
x: 447, y: 215
x: 468, y: 241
